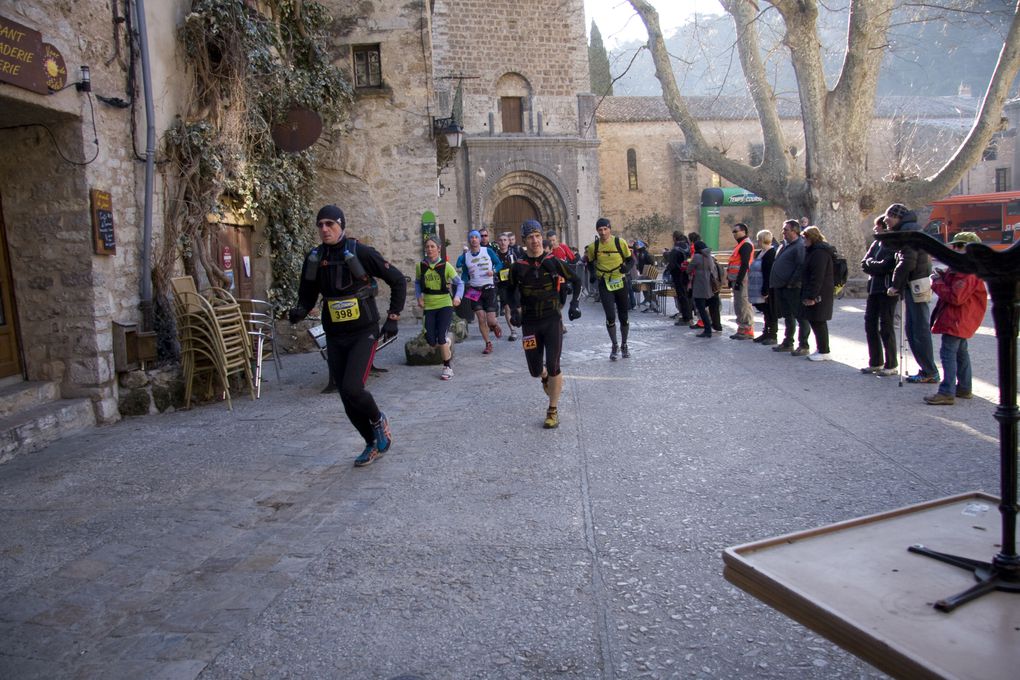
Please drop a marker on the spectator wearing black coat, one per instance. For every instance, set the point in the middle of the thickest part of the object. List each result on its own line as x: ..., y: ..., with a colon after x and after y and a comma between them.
x: 913, y: 265
x: 818, y: 290
x: 880, y: 308
x: 785, y: 280
x: 677, y: 259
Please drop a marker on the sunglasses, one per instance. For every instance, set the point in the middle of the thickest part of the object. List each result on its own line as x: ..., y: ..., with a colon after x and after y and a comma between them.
x: 958, y: 246
x: 326, y: 223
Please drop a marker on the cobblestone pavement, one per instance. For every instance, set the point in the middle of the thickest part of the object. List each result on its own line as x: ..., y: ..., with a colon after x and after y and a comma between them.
x: 243, y: 544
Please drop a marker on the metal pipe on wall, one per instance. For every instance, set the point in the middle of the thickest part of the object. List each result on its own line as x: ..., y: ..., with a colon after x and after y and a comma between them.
x: 145, y: 284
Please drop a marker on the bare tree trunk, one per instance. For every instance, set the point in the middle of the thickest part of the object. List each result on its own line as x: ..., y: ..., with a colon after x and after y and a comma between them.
x: 834, y: 189
x: 842, y: 229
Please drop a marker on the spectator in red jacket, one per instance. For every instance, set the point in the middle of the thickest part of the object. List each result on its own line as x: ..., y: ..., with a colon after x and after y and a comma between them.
x: 559, y: 250
x: 957, y: 316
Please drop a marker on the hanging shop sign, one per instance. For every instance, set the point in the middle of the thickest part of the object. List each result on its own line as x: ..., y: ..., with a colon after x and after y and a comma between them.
x: 22, y: 56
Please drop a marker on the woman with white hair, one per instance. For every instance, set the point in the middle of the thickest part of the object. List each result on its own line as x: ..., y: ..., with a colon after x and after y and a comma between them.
x: 758, y: 287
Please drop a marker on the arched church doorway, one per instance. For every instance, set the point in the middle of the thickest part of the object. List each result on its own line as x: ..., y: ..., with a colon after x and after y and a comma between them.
x: 511, y: 212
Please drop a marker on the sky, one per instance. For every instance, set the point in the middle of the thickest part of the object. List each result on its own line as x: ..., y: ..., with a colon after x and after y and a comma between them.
x: 618, y: 23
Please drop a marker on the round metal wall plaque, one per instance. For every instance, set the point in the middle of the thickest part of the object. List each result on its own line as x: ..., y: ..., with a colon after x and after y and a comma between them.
x: 298, y: 131
x: 54, y: 67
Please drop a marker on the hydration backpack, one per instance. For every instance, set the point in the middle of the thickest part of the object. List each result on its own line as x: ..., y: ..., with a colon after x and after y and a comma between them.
x: 840, y: 271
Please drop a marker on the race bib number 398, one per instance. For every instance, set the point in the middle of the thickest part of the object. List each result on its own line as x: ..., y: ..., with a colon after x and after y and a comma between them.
x: 344, y: 310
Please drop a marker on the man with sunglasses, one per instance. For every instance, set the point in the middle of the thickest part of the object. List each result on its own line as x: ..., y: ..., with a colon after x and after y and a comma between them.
x: 341, y: 270
x: 736, y: 273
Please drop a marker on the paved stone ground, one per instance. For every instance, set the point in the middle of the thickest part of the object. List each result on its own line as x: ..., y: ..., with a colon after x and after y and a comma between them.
x: 243, y: 544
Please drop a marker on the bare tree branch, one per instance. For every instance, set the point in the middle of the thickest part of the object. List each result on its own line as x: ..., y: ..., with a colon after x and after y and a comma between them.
x: 736, y: 171
x: 775, y: 159
x: 987, y: 123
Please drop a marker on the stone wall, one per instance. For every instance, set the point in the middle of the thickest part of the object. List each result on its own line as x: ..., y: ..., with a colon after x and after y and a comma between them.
x: 381, y: 168
x: 667, y: 184
x: 485, y: 39
x: 535, y: 51
x: 66, y: 296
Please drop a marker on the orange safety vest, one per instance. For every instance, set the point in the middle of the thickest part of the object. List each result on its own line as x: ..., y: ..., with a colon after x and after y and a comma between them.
x: 733, y: 267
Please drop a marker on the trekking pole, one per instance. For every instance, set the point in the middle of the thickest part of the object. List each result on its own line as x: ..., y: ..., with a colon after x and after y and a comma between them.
x: 903, y: 311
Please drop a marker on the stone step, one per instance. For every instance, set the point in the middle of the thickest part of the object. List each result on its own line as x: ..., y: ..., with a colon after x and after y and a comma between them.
x: 21, y: 395
x: 32, y: 428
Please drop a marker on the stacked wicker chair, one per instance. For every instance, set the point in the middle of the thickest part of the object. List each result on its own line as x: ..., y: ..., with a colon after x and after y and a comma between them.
x: 214, y: 338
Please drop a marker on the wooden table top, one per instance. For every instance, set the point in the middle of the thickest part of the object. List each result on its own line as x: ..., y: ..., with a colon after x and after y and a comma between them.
x: 856, y: 584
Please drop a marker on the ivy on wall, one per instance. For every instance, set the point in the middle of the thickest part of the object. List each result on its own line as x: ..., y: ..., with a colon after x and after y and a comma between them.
x: 252, y: 62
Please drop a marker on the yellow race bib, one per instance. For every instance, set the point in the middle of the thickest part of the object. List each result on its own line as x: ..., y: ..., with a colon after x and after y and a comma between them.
x: 504, y: 274
x: 614, y: 282
x: 347, y: 309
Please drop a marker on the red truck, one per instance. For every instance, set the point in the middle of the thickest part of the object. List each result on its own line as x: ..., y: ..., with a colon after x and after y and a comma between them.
x: 995, y: 218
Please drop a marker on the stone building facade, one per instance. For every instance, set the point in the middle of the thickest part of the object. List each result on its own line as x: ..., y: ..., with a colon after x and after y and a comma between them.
x: 646, y: 169
x: 64, y: 301
x: 382, y: 168
x: 61, y: 298
x: 525, y: 105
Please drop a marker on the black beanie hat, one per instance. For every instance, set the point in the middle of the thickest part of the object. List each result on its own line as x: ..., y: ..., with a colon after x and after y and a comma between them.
x: 529, y: 226
x: 331, y: 212
x: 601, y: 222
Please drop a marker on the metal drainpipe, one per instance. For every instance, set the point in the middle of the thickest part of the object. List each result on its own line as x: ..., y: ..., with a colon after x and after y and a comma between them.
x: 145, y: 284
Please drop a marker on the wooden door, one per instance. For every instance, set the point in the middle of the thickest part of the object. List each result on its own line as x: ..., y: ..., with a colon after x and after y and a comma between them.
x: 509, y: 214
x: 232, y: 254
x: 10, y: 355
x: 513, y: 114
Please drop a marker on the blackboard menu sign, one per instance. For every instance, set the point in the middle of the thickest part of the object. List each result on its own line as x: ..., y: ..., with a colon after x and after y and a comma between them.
x: 102, y: 223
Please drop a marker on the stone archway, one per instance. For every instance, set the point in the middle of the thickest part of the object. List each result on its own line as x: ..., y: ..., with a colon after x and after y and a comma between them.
x: 525, y: 188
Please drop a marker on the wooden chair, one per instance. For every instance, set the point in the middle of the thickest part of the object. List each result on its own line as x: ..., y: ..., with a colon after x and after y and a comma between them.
x: 183, y: 284
x: 212, y: 344
x: 259, y: 327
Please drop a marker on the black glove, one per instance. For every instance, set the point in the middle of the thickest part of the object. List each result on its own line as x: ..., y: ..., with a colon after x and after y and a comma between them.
x: 574, y: 312
x: 515, y: 317
x: 735, y: 285
x: 296, y: 314
x: 390, y: 327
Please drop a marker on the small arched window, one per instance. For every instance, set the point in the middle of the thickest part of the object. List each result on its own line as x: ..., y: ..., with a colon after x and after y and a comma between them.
x: 632, y: 170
